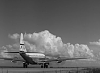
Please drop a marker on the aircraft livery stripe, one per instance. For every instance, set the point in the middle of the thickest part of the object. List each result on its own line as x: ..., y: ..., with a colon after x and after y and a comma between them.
x: 21, y: 44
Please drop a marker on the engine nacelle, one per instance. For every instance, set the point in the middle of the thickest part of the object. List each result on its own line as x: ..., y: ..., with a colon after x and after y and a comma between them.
x: 59, y: 61
x: 13, y: 61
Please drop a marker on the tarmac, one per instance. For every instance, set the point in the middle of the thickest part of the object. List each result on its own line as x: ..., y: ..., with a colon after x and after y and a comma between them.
x: 38, y: 70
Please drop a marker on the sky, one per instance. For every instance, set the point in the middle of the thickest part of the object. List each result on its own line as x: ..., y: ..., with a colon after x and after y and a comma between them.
x: 74, y: 21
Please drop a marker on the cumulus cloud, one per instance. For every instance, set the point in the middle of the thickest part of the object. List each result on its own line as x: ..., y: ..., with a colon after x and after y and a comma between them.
x: 48, y: 43
x: 7, y: 48
x: 14, y: 36
x: 79, y: 50
x: 4, y: 49
x: 95, y: 43
x: 83, y: 50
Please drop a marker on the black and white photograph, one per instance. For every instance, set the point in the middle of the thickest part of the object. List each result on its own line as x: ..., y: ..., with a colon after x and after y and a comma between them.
x: 49, y: 36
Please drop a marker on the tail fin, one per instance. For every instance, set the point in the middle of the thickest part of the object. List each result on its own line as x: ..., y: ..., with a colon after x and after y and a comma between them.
x: 21, y: 41
x: 22, y: 46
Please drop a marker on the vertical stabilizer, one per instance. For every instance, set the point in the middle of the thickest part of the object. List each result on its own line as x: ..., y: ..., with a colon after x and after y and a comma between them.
x: 21, y: 39
x: 22, y: 47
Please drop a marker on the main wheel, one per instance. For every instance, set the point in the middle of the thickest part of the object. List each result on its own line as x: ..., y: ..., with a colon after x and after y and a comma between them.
x: 26, y: 65
x: 41, y: 66
x: 45, y: 65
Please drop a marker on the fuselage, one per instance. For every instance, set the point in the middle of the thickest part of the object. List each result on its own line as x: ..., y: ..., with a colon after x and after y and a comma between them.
x: 35, y: 55
x: 31, y: 58
x: 28, y: 57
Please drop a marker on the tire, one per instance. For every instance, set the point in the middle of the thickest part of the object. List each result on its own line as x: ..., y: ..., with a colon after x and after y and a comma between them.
x: 42, y: 66
x: 25, y: 65
x: 45, y: 65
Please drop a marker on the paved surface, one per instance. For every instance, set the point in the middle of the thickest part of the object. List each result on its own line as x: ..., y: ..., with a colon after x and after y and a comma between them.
x: 36, y: 70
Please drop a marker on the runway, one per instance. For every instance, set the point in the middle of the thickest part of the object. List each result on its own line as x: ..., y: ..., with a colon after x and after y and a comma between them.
x: 37, y: 70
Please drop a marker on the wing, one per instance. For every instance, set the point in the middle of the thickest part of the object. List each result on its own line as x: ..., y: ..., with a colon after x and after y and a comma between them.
x: 62, y: 59
x: 6, y: 58
x: 13, y: 59
x: 59, y: 60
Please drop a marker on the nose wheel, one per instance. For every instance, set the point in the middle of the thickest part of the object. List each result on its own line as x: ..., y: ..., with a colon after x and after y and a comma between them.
x: 25, y: 65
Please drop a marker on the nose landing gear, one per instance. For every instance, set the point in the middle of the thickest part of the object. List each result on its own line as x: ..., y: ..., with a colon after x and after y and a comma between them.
x: 25, y: 65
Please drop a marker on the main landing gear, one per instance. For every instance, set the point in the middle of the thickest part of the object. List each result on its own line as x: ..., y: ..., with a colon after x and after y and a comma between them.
x: 44, y: 65
x: 25, y: 65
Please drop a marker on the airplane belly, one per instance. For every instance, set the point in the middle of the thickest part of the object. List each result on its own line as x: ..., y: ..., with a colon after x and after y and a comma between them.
x: 30, y: 60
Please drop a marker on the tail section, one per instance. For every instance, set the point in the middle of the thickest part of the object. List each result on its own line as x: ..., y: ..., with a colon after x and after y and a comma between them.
x: 21, y: 42
x: 22, y: 46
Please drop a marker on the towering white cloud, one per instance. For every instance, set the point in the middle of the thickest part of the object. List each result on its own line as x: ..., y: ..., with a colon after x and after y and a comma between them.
x: 95, y: 43
x: 79, y: 50
x: 83, y: 50
x: 48, y: 43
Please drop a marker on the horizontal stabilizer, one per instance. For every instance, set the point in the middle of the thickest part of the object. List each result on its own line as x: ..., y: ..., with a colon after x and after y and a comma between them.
x: 21, y: 52
x: 11, y: 52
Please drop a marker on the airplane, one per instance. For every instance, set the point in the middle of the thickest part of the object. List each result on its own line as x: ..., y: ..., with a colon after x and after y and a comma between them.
x: 35, y: 58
